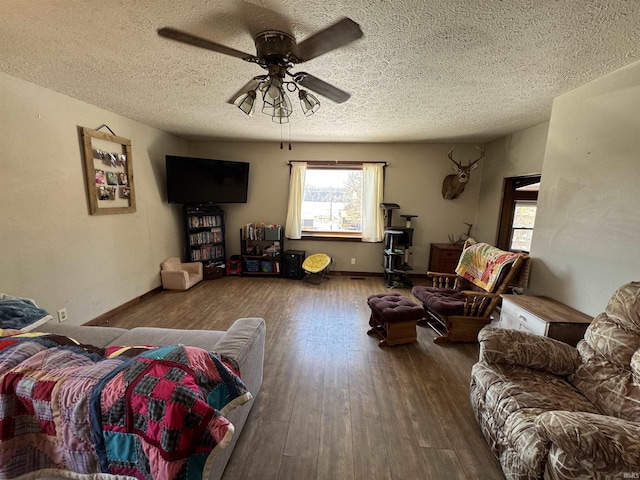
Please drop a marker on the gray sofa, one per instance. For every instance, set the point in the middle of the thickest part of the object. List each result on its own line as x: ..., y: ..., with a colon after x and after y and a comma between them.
x: 244, y: 342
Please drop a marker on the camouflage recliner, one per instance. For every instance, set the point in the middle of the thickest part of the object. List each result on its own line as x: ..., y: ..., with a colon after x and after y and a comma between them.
x: 551, y: 411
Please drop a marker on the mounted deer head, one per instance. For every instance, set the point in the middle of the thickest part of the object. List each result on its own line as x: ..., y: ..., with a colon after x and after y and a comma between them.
x: 453, y: 185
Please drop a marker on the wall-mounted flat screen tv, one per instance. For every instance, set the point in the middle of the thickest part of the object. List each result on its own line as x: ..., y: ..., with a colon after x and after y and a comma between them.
x: 201, y: 180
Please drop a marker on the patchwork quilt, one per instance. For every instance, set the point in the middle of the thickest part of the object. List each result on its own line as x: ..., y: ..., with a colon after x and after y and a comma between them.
x: 482, y: 264
x: 81, y: 411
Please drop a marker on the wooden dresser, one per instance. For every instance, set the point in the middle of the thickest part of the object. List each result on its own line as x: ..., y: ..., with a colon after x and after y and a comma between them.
x: 443, y: 257
x: 543, y: 316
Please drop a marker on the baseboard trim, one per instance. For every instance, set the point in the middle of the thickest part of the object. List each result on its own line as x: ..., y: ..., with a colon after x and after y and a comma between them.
x: 354, y: 274
x: 103, y: 320
x: 372, y: 274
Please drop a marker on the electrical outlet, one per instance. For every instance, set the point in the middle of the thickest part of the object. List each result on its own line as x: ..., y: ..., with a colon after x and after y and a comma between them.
x: 353, y: 261
x: 62, y: 315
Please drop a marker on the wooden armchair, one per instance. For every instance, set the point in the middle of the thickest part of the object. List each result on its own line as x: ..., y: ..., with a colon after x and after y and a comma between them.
x: 459, y: 305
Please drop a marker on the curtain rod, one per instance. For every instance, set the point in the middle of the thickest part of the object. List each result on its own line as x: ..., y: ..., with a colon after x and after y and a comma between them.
x: 333, y: 162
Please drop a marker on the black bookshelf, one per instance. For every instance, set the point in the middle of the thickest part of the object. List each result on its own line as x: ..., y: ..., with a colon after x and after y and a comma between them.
x: 204, y: 226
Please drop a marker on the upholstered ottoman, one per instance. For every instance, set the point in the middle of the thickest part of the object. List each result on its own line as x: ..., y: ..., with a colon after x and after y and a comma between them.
x: 393, y: 318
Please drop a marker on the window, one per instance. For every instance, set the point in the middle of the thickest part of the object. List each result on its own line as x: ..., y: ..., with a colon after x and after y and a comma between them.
x: 332, y: 201
x: 518, y: 213
x: 336, y: 200
x: 524, y: 218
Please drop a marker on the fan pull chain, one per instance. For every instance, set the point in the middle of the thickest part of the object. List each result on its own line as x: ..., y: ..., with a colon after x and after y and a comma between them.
x: 289, y: 135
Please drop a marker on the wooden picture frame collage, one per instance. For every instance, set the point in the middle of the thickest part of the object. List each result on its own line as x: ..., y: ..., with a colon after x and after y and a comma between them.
x: 108, y: 172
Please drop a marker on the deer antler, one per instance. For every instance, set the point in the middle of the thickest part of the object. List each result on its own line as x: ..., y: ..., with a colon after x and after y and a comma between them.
x: 480, y: 157
x: 450, y: 155
x: 462, y: 238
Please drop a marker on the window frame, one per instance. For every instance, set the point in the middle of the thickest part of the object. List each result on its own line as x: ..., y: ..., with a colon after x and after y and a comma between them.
x: 514, y: 228
x: 332, y: 235
x: 511, y: 196
x: 341, y: 236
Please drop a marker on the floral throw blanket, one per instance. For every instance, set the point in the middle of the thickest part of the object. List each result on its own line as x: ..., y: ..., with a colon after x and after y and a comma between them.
x: 81, y: 411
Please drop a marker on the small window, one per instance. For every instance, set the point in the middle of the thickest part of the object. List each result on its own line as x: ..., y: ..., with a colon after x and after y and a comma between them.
x: 518, y: 213
x: 524, y: 218
x: 332, y: 203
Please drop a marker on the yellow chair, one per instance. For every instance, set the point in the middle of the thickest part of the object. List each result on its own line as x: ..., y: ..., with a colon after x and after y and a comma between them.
x: 316, y: 266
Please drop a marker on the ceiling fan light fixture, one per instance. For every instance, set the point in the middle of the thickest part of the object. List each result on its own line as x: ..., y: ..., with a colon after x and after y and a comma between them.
x: 246, y: 102
x: 276, y: 102
x: 277, y: 52
x: 280, y: 116
x: 272, y: 87
x: 309, y: 103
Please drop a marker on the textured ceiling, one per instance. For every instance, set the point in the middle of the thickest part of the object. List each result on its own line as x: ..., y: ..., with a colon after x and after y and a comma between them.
x: 456, y: 70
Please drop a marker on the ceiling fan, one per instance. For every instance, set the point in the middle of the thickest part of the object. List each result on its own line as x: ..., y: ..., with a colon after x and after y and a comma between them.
x: 277, y: 52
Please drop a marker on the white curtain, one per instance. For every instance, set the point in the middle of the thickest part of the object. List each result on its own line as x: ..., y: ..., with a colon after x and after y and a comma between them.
x: 293, y: 227
x: 372, y: 191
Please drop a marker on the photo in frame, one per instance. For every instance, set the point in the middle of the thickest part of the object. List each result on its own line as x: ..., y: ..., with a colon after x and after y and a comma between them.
x: 108, y: 162
x: 112, y: 178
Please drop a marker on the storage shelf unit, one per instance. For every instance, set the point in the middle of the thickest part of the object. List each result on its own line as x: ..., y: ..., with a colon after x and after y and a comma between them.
x: 261, y: 249
x: 204, y: 226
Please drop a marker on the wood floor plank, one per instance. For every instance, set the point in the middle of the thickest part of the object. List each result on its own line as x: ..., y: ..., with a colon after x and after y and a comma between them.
x: 443, y: 463
x: 369, y: 449
x: 335, y: 457
x: 463, y: 432
x: 303, y: 439
x: 266, y: 451
x: 297, y: 468
x: 243, y: 449
x: 370, y: 459
x: 333, y: 404
x: 401, y: 436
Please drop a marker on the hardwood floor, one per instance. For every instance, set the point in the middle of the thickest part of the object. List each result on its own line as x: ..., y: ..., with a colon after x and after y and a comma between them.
x: 333, y: 405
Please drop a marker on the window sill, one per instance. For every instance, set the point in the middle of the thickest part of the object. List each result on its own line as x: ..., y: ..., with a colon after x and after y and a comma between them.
x: 332, y: 236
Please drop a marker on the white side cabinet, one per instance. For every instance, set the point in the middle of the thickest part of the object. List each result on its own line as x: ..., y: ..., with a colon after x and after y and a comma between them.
x: 543, y: 316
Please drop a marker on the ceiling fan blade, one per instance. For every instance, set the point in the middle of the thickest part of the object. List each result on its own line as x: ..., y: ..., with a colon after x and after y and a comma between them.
x: 250, y: 85
x: 337, y: 35
x: 320, y: 86
x: 179, y: 36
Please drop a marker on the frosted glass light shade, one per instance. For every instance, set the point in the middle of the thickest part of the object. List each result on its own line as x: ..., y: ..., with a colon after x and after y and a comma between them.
x: 246, y: 102
x: 280, y: 116
x: 276, y: 103
x: 309, y: 103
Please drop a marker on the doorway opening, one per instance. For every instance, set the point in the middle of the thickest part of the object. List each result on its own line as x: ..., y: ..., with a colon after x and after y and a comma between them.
x: 518, y: 213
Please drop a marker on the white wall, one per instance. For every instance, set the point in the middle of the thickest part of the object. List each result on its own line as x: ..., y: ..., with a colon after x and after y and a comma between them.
x: 586, y: 235
x: 518, y: 154
x: 51, y: 249
x: 413, y: 180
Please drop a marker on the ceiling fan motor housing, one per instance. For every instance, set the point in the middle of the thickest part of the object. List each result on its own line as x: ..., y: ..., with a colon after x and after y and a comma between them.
x: 274, y: 47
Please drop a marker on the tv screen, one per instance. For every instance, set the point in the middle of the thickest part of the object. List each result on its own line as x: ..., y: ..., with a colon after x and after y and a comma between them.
x: 201, y: 180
